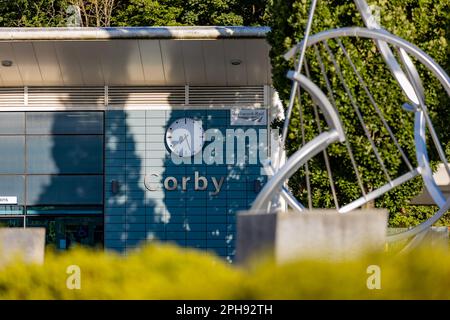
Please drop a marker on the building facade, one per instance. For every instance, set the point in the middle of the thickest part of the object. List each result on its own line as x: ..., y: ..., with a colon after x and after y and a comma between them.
x: 87, y: 133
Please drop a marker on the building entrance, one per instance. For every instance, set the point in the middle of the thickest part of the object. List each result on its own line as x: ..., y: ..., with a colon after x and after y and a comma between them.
x: 51, y: 175
x: 64, y: 232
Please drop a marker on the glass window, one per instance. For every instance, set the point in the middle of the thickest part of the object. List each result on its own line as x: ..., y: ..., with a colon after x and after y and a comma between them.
x: 11, y: 210
x: 64, y: 190
x: 12, y: 154
x: 64, y: 123
x: 11, y: 222
x: 13, y: 186
x: 65, y: 154
x: 69, y: 210
x: 12, y: 123
x: 64, y: 232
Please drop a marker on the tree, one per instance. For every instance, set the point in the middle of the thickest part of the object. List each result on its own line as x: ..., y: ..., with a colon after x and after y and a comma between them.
x: 210, y: 12
x: 177, y: 12
x: 36, y: 13
x: 148, y: 13
x: 424, y: 23
x: 96, y: 13
x: 100, y: 13
x: 54, y: 13
x: 253, y: 12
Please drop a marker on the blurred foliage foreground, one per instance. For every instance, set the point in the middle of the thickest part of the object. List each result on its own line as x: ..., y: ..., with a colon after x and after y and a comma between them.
x: 168, y: 272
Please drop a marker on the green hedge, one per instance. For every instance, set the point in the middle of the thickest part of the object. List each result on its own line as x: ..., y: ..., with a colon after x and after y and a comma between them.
x: 424, y: 23
x: 167, y: 272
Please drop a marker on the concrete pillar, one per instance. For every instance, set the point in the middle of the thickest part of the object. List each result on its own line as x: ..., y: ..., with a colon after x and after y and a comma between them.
x: 438, y: 237
x: 27, y: 244
x: 318, y: 234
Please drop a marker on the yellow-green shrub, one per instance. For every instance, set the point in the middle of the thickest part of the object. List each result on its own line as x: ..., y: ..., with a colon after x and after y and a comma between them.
x: 155, y: 272
x: 168, y: 272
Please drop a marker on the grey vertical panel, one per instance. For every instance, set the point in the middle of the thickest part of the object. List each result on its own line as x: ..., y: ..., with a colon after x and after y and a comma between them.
x: 28, y: 65
x: 152, y: 62
x: 10, y: 76
x: 48, y: 62
x: 68, y: 61
x: 256, y: 61
x: 236, y: 75
x: 115, y: 157
x: 61, y: 154
x: 64, y: 122
x: 12, y: 155
x: 64, y: 190
x: 172, y: 54
x: 194, y: 64
x: 268, y: 64
x: 215, y: 68
x: 89, y: 53
x: 121, y: 63
x: 12, y: 123
x: 13, y: 186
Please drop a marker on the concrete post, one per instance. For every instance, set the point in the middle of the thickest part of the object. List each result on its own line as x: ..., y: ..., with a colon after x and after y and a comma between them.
x: 26, y: 244
x: 318, y: 234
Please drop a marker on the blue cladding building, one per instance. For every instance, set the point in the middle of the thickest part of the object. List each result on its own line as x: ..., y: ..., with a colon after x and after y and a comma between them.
x: 87, y: 133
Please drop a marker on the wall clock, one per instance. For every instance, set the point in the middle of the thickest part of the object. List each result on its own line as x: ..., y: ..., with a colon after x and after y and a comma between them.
x: 185, y: 137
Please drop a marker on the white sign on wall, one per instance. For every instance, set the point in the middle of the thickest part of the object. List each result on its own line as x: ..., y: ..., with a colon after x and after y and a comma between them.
x: 248, y: 117
x: 8, y: 200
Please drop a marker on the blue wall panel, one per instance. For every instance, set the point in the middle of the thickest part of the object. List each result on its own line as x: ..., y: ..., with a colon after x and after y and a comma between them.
x: 135, y: 147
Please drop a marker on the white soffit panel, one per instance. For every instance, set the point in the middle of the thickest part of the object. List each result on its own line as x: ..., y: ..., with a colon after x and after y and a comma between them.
x: 257, y: 60
x: 68, y: 62
x: 194, y: 62
x: 152, y: 62
x: 89, y: 53
x: 215, y: 68
x: 27, y: 63
x: 235, y: 51
x: 48, y: 62
x: 10, y: 75
x: 196, y: 56
x: 173, y: 62
x: 122, y: 63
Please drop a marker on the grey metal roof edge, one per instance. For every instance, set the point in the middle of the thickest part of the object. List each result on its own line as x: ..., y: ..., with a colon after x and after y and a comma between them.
x: 110, y: 33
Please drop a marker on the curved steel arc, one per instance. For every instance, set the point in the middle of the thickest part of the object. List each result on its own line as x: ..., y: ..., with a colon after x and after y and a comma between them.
x: 309, y: 150
x: 411, y: 85
x: 422, y: 122
x: 421, y: 227
x: 330, y: 114
x: 298, y: 159
x: 422, y: 158
x: 379, y: 35
x: 386, y: 52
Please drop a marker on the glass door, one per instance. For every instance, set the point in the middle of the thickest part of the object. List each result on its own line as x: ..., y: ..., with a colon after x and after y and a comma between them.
x: 63, y: 232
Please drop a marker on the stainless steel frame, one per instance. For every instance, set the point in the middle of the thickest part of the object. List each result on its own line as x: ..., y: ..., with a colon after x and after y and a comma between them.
x: 412, y: 87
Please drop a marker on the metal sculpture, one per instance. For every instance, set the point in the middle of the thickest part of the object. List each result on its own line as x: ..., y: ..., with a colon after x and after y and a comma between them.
x: 406, y: 76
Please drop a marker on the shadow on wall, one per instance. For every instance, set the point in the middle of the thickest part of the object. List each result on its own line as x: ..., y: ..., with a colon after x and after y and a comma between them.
x: 97, y: 161
x: 134, y: 147
x: 205, y: 219
x: 126, y: 205
x: 64, y: 192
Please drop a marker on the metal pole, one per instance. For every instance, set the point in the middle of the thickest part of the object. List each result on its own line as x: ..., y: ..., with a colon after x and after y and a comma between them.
x: 298, y: 70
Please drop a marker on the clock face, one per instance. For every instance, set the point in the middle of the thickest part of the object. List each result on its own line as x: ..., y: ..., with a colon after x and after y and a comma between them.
x: 185, y: 137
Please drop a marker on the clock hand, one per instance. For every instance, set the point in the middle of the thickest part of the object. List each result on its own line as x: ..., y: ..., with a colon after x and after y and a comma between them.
x: 186, y: 138
x: 180, y: 140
